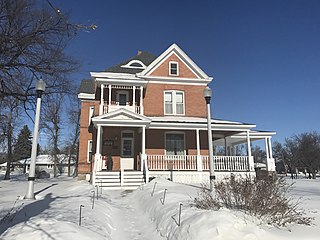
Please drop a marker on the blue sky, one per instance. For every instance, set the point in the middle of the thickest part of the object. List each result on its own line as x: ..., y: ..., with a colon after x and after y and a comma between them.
x: 264, y: 55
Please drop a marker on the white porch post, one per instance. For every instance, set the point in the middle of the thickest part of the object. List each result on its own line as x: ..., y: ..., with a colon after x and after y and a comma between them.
x: 134, y: 98
x: 199, y: 162
x: 270, y: 161
x: 143, y: 143
x: 141, y: 100
x: 97, y: 156
x: 109, y: 100
x: 143, y: 147
x: 101, y: 100
x: 251, y: 160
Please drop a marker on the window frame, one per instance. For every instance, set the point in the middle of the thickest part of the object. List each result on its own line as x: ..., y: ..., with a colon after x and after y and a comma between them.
x: 89, y: 150
x: 184, y: 142
x: 125, y: 92
x: 174, y: 102
x: 127, y: 138
x: 91, y: 113
x: 170, y: 68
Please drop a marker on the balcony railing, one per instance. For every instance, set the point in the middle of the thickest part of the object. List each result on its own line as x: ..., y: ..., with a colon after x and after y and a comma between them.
x: 189, y: 162
x: 113, y: 107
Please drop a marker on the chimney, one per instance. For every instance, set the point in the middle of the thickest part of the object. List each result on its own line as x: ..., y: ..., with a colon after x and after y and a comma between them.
x: 139, y: 52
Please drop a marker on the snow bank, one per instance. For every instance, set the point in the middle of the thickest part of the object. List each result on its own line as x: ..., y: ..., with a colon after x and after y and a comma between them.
x: 204, y: 224
x: 122, y: 215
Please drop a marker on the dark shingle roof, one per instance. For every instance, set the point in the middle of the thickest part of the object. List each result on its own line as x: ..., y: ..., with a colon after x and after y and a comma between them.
x: 144, y: 57
x: 87, y: 86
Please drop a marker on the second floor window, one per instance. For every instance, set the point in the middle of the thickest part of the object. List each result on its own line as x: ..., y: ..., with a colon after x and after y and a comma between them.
x: 91, y: 113
x: 173, y: 69
x: 174, y: 102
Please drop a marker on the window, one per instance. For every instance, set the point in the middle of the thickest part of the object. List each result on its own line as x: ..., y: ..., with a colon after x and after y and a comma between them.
x: 173, y: 69
x: 175, y: 144
x: 174, y: 102
x: 91, y: 113
x: 89, y: 156
x: 122, y: 98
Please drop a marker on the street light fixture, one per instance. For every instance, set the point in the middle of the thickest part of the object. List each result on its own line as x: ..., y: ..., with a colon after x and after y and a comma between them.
x: 207, y: 93
x: 40, y: 87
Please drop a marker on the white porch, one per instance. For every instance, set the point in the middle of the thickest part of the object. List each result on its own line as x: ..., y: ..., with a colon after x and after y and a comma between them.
x: 195, y: 160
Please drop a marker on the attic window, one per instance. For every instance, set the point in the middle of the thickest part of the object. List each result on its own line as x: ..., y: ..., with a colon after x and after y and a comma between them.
x: 173, y: 69
x: 134, y: 64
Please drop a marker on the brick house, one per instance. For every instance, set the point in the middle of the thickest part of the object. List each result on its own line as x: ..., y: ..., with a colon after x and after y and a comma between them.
x: 148, y: 115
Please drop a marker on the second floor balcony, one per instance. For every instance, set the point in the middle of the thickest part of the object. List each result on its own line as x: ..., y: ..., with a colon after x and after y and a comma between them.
x: 114, y: 97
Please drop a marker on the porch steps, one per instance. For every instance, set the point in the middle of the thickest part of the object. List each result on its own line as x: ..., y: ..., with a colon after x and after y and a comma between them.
x: 111, y: 180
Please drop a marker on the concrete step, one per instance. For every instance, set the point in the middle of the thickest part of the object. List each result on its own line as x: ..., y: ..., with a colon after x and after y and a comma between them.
x: 110, y: 180
x: 105, y: 173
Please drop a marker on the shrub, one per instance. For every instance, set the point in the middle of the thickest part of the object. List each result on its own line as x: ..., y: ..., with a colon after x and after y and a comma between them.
x: 266, y: 199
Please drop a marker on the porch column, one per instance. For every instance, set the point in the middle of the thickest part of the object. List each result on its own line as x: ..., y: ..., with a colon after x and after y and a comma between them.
x: 141, y: 100
x: 143, y: 148
x: 109, y: 100
x: 270, y: 161
x: 101, y: 100
x: 199, y: 162
x: 134, y: 98
x: 143, y: 143
x: 251, y: 160
x: 225, y: 146
x: 97, y: 156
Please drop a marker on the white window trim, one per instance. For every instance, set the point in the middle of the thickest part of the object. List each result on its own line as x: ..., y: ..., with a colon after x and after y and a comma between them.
x: 174, y: 132
x: 170, y: 74
x: 88, y: 150
x: 174, y: 105
x: 91, y: 113
x: 124, y: 138
x: 122, y: 92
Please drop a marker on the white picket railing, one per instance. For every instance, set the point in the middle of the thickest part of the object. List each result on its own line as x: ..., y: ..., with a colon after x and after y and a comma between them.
x: 189, y: 162
x: 227, y: 163
x: 172, y: 162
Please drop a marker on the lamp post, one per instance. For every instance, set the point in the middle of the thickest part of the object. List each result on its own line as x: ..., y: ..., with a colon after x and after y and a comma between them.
x: 207, y: 92
x: 40, y: 87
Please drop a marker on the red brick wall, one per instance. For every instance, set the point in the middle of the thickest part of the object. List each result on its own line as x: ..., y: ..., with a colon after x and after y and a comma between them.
x: 153, y: 102
x: 85, y: 135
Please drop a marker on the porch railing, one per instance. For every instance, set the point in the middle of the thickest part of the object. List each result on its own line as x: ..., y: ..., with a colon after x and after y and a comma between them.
x: 227, y: 163
x: 189, y: 162
x: 172, y: 162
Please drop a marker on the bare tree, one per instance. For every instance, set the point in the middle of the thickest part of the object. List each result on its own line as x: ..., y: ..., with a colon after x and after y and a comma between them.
x: 32, y: 43
x: 52, y: 122
x: 9, y: 115
x: 74, y: 121
x: 258, y: 154
x: 309, y: 151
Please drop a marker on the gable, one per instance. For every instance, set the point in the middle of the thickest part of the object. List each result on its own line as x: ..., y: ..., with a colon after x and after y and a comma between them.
x: 187, y: 69
x: 121, y: 115
x: 183, y: 70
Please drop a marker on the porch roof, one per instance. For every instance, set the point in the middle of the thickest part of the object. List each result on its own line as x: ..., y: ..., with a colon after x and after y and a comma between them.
x: 174, y: 122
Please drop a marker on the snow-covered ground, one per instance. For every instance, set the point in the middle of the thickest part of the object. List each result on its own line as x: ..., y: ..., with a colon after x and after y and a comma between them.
x: 135, y: 214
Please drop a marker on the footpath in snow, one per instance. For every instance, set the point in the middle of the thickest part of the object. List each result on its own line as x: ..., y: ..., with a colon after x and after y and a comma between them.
x: 141, y: 214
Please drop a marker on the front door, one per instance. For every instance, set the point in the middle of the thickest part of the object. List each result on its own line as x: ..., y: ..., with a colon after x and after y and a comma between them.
x: 127, y: 150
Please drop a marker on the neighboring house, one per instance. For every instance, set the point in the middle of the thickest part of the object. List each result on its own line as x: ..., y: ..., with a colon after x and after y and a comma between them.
x: 148, y: 114
x: 46, y: 162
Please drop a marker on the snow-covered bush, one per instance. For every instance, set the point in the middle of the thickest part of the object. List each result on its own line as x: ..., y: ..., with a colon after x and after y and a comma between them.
x: 266, y: 199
